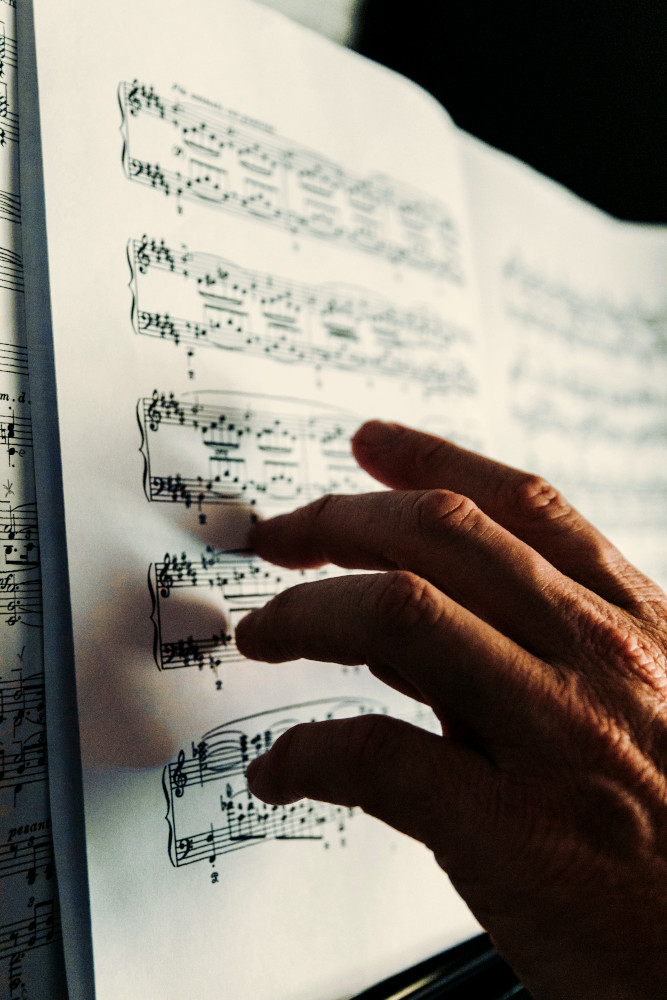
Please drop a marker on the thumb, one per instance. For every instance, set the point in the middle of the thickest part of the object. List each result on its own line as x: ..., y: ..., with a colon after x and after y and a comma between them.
x: 407, y: 777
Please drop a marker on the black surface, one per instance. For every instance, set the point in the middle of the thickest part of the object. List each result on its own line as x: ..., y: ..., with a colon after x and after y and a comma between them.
x: 471, y: 971
x: 576, y: 88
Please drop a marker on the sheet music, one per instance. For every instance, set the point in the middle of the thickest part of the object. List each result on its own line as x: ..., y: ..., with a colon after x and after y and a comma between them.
x: 30, y: 935
x: 576, y: 314
x: 242, y: 267
x: 243, y: 167
x: 233, y: 308
x: 212, y: 774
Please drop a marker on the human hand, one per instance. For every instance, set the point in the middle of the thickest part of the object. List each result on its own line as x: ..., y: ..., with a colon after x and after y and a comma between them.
x: 543, y: 654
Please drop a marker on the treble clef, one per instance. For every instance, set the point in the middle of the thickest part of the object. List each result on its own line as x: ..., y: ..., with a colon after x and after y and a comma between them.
x: 164, y: 578
x: 179, y: 778
x: 154, y: 411
x: 142, y: 255
x: 132, y: 98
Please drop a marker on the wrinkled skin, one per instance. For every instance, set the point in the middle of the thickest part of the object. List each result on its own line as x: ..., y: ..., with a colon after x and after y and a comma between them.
x: 542, y: 652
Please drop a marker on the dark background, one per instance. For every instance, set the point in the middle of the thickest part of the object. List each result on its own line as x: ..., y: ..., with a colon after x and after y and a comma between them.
x: 576, y: 89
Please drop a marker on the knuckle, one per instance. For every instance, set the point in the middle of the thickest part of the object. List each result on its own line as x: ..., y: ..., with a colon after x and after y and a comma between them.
x: 630, y: 650
x: 534, y: 498
x: 403, y: 601
x: 442, y: 510
x: 636, y: 592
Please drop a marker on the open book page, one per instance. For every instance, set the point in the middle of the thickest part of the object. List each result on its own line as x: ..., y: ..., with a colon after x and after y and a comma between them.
x: 249, y: 252
x: 30, y: 940
x: 575, y: 312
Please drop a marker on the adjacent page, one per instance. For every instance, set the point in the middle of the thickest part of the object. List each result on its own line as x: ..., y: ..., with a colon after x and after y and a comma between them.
x: 575, y: 314
x: 249, y: 252
x: 31, y: 965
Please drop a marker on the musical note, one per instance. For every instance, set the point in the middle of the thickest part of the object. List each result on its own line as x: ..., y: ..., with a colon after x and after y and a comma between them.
x: 209, y: 157
x: 242, y: 584
x: 15, y: 435
x: 22, y: 556
x: 16, y: 981
x: 211, y: 782
x: 27, y: 856
x: 592, y: 371
x: 30, y: 952
x: 534, y: 299
x: 290, y: 452
x: 31, y: 932
x: 11, y: 270
x: 7, y: 49
x: 24, y: 764
x: 19, y: 541
x: 9, y: 132
x: 559, y: 388
x: 21, y: 599
x: 10, y: 206
x: 22, y: 700
x: 326, y: 326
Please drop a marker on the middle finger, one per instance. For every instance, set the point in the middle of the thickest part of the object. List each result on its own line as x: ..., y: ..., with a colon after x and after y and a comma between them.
x: 446, y: 539
x: 413, y: 638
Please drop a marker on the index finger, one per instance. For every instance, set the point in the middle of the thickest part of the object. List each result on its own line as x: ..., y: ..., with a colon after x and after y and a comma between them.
x: 444, y: 538
x: 525, y: 504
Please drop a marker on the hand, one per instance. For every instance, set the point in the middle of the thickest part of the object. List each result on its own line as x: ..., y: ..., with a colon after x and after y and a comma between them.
x: 542, y: 652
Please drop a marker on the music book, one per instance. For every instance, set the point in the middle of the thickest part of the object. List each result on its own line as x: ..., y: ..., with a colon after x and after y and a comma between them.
x: 234, y: 242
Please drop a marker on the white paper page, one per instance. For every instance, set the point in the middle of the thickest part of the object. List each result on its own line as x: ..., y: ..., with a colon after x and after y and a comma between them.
x: 255, y: 241
x: 575, y: 310
x: 31, y: 963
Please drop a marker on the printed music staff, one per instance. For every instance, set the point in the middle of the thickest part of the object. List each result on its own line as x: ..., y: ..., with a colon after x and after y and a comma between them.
x: 238, y: 584
x: 42, y: 927
x: 20, y: 599
x: 30, y: 948
x: 211, y: 811
x: 282, y: 453
x: 22, y: 699
x: 211, y: 156
x: 11, y: 270
x: 30, y: 856
x: 200, y: 300
x: 568, y: 384
x: 13, y: 358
